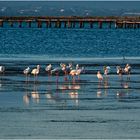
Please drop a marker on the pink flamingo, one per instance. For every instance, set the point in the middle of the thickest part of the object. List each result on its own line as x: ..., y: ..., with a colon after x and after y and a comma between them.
x: 99, y: 76
x: 26, y: 73
x: 35, y: 72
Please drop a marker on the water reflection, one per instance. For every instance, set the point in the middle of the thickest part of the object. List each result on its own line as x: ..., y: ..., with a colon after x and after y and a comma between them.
x: 125, y: 89
x: 70, y: 87
x: 55, y: 94
x: 26, y: 98
x: 99, y: 92
x: 0, y: 83
x: 74, y: 95
x: 63, y: 93
x: 34, y: 94
x: 52, y: 97
x: 103, y: 86
x: 27, y: 95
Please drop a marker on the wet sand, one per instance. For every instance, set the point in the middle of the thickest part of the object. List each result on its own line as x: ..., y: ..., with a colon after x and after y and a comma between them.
x: 66, y: 109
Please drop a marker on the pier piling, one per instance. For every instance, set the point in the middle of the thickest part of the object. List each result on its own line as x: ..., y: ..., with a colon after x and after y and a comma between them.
x: 29, y: 24
x: 11, y: 23
x: 100, y: 24
x: 20, y: 24
x: 91, y: 24
x: 1, y: 23
x: 72, y: 21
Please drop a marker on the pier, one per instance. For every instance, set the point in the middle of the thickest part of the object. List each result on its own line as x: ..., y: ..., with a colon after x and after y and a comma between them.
x: 71, y: 22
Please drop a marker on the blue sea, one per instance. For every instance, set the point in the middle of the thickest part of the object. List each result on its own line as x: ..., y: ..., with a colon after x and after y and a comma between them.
x: 52, y: 107
x: 69, y: 43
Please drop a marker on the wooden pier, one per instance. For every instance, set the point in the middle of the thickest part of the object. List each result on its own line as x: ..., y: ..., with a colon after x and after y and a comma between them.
x: 72, y: 22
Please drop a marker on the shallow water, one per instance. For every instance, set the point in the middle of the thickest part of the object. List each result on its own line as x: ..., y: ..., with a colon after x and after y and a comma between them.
x: 67, y: 109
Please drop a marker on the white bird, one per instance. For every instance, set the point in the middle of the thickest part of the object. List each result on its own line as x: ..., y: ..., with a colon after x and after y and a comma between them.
x: 48, y: 69
x: 77, y: 67
x: 76, y: 72
x: 65, y: 70
x: 26, y: 72
x: 127, y: 69
x: 119, y: 71
x: 2, y: 69
x: 35, y: 72
x: 106, y: 70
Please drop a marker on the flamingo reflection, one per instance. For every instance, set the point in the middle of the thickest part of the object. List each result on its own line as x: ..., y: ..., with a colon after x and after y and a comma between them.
x: 124, y: 91
x: 26, y: 98
x: 74, y: 95
x: 35, y: 94
x: 27, y: 95
x: 99, y: 92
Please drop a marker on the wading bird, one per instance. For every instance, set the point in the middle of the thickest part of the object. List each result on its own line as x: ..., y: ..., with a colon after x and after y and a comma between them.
x: 26, y: 73
x: 127, y: 69
x: 35, y: 72
x: 2, y: 69
x: 48, y: 69
x: 76, y: 72
x: 99, y: 76
x: 106, y: 70
x: 119, y: 71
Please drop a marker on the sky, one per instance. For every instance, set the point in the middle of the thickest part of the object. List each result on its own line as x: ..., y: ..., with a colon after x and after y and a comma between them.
x: 65, y: 8
x: 69, y: 0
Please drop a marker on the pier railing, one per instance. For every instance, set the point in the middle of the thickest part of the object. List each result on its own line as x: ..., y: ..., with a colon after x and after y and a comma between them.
x: 72, y: 21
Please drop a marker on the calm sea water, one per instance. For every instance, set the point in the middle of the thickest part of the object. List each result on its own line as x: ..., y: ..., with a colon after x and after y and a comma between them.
x: 66, y: 109
x: 85, y: 108
x: 63, y: 109
x: 69, y: 43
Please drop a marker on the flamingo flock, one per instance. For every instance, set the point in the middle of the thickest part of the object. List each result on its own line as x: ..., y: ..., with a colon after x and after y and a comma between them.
x: 70, y: 71
x: 120, y: 72
x: 66, y: 70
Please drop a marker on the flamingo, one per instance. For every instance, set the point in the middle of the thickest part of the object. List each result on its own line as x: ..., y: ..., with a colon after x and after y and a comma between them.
x: 26, y: 72
x: 65, y: 69
x: 2, y: 69
x: 48, y: 69
x: 106, y: 70
x: 56, y: 71
x: 99, y: 76
x: 77, y: 67
x: 62, y: 69
x: 35, y: 72
x: 119, y: 71
x: 127, y: 69
x: 76, y: 72
x: 70, y: 66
